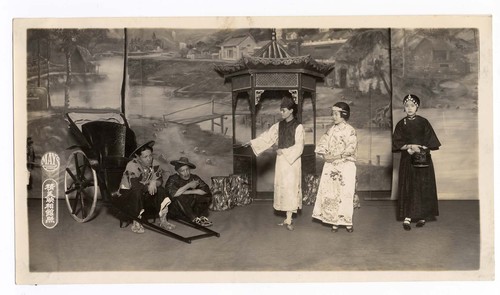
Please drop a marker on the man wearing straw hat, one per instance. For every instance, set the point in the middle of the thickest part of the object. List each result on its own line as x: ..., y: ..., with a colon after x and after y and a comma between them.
x: 190, y: 195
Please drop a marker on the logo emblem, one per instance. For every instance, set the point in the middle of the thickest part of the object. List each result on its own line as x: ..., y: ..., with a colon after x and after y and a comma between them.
x: 50, y: 162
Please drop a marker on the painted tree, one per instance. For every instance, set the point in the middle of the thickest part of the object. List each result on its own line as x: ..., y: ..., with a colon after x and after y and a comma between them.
x: 91, y: 38
x: 68, y: 40
x: 39, y: 49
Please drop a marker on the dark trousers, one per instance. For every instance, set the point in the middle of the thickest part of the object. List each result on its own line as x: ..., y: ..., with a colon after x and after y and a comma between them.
x: 188, y: 207
x: 136, y: 198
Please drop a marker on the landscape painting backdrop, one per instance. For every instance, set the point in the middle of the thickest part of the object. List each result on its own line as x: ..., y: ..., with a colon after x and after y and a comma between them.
x: 170, y: 77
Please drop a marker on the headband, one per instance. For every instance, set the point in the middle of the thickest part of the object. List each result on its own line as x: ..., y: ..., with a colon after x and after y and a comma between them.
x: 335, y: 108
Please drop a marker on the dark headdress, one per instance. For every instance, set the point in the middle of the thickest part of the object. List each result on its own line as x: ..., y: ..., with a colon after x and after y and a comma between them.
x: 183, y: 161
x: 413, y: 98
x: 287, y: 102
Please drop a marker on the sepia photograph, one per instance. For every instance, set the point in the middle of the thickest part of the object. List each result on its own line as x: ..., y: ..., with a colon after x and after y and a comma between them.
x: 253, y: 149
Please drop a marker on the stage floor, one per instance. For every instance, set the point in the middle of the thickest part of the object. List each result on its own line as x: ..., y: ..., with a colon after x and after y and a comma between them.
x: 251, y: 241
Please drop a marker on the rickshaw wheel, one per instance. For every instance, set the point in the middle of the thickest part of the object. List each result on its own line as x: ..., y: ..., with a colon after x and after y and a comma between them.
x: 80, y: 186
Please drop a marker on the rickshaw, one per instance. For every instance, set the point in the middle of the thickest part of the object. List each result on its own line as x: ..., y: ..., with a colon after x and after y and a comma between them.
x: 95, y: 167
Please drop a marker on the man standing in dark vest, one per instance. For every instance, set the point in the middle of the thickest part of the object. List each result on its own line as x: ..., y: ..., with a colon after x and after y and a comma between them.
x: 289, y: 135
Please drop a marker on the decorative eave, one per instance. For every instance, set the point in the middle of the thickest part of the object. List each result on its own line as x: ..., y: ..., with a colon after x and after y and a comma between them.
x: 247, y: 63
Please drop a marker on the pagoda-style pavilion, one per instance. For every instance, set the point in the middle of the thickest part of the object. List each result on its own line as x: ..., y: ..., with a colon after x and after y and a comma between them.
x: 272, y: 70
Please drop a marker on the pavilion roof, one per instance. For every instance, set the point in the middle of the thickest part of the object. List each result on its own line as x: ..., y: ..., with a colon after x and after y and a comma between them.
x: 273, y: 49
x: 273, y: 56
x: 294, y: 63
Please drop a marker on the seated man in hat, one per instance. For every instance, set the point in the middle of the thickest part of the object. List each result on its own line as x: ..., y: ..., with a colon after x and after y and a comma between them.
x: 141, y: 187
x: 190, y: 195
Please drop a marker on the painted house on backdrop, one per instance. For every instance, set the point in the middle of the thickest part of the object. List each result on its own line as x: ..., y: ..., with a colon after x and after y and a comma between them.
x: 292, y: 40
x: 362, y: 62
x: 322, y: 45
x: 191, y: 54
x: 236, y: 47
x: 434, y: 57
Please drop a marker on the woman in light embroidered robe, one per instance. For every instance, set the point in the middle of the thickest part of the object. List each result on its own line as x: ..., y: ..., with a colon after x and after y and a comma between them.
x: 334, y: 201
x: 289, y: 135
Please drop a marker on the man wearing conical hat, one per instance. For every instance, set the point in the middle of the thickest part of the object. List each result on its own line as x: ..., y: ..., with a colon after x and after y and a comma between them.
x: 288, y: 134
x: 140, y: 187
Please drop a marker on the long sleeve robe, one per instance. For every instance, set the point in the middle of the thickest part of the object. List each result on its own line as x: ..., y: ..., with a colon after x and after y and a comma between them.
x: 334, y: 201
x: 288, y: 174
x: 416, y: 186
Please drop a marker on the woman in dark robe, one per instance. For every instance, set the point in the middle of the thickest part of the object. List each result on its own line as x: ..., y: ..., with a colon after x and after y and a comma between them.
x: 415, y: 138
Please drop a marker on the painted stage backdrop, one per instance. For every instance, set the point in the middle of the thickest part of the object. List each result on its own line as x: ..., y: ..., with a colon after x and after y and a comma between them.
x: 174, y: 96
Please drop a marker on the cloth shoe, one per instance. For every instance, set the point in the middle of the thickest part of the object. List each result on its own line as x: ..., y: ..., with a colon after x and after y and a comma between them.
x: 289, y: 225
x: 420, y: 223
x: 165, y: 224
x: 137, y: 228
x: 406, y: 223
x: 205, y: 222
x: 197, y: 220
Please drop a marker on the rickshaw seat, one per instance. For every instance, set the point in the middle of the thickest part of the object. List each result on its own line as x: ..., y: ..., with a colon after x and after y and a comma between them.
x: 107, y: 140
x: 109, y: 162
